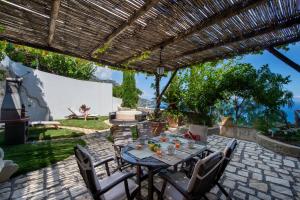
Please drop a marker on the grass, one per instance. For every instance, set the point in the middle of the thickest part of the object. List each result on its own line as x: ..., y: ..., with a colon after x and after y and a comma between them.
x: 98, y: 124
x: 31, y: 157
x: 52, y: 133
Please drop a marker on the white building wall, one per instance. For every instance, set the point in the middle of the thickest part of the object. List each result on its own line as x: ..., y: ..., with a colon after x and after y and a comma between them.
x: 47, y: 96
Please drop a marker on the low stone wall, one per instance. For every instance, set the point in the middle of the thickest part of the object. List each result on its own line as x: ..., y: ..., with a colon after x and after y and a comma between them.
x: 250, y: 134
x: 277, y: 146
x: 243, y: 133
x: 213, y: 130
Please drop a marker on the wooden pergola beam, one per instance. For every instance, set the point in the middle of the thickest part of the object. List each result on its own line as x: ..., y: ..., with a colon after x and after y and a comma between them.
x: 244, y: 36
x: 66, y: 52
x: 145, y: 8
x: 216, y: 18
x: 53, y: 18
x: 284, y: 59
x: 242, y: 52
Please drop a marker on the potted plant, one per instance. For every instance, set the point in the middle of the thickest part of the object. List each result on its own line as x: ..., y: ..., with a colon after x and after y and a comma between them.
x: 173, y: 118
x: 157, y: 122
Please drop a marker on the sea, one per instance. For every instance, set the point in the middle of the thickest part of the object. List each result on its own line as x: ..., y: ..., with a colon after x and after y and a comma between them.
x: 288, y: 110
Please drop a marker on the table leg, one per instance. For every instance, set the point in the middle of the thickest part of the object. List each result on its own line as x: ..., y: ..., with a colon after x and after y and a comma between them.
x: 150, y: 184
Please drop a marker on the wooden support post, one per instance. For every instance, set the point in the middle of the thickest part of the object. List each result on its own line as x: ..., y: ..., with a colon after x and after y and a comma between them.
x: 169, y: 82
x: 160, y: 94
x: 157, y: 95
x: 284, y: 59
x: 53, y: 18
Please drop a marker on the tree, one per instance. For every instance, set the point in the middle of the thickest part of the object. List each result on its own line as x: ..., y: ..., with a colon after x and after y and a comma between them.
x: 130, y: 94
x: 172, y: 96
x: 117, y: 91
x: 238, y: 83
x: 49, y: 62
x: 259, y: 91
x: 201, y: 89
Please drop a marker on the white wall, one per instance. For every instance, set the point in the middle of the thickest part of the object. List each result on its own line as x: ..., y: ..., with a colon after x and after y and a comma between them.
x: 47, y: 96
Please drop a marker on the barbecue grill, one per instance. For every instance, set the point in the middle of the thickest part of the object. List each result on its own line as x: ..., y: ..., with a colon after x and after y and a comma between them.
x: 13, y: 113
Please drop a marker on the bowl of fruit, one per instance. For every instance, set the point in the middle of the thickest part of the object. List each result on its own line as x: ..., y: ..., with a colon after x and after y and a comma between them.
x: 153, y: 146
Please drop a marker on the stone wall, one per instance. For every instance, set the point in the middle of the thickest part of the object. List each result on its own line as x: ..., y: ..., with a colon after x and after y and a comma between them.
x: 253, y: 135
x: 243, y: 133
x: 277, y: 146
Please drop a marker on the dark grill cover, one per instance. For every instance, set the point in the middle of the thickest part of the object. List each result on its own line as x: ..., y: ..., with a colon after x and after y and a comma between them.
x: 12, y: 104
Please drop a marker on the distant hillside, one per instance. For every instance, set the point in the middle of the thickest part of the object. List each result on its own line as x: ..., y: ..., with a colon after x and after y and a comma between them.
x: 146, y: 103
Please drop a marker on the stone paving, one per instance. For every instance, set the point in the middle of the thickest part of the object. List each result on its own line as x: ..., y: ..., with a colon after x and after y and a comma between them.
x: 254, y: 173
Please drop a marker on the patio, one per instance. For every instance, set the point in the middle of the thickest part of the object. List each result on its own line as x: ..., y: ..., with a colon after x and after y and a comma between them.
x: 157, y: 37
x: 253, y: 173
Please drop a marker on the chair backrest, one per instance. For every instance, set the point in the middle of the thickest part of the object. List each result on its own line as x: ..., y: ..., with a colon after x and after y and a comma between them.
x: 121, y: 133
x: 199, y: 130
x: 87, y: 170
x: 228, y: 152
x: 204, y: 174
x: 144, y: 128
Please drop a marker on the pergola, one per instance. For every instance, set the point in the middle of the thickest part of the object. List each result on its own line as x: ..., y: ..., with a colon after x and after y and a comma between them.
x: 135, y: 34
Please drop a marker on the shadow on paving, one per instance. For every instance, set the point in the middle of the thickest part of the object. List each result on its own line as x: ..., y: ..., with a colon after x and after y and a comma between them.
x: 253, y: 173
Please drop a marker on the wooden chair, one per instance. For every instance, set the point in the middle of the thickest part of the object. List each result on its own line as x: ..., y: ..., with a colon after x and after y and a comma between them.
x: 177, y: 186
x: 144, y: 129
x: 121, y: 137
x: 228, y: 153
x: 114, y: 187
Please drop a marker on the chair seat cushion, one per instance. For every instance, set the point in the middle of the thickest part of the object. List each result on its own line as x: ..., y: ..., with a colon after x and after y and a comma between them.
x: 117, y: 192
x: 170, y: 192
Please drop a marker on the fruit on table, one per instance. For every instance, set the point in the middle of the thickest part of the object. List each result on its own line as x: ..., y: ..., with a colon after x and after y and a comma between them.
x: 153, y: 146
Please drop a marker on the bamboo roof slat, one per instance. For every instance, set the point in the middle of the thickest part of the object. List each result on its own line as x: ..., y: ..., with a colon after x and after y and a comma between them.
x: 130, y: 34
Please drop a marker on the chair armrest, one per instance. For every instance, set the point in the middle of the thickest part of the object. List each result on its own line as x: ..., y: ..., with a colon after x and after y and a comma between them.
x: 205, y: 153
x: 169, y: 179
x: 116, y: 182
x: 96, y: 164
x: 105, y: 161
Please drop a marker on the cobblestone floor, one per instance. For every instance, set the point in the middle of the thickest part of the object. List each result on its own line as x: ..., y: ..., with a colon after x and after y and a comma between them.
x: 254, y: 173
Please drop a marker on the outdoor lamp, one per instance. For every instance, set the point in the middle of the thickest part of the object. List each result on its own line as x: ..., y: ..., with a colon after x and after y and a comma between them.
x: 160, y: 70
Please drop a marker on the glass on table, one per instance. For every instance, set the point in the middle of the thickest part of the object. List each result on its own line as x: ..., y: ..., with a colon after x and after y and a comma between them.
x: 163, y: 137
x: 191, y: 144
x: 143, y: 139
x: 177, y: 144
x: 171, y: 149
x: 159, y: 152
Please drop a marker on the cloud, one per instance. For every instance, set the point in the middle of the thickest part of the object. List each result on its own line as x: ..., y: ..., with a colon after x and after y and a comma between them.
x: 103, y: 73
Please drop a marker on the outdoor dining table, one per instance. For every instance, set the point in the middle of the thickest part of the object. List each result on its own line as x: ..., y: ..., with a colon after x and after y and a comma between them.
x: 147, y: 158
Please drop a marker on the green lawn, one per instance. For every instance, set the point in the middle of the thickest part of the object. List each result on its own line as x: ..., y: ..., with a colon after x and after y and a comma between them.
x: 51, y: 133
x: 91, y: 123
x: 31, y: 157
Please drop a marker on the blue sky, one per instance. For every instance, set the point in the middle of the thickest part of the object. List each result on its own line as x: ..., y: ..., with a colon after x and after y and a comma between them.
x: 143, y: 82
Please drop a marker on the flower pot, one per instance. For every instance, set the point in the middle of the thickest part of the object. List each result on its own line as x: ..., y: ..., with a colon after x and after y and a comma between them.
x: 157, y: 127
x: 201, y: 130
x: 172, y: 121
